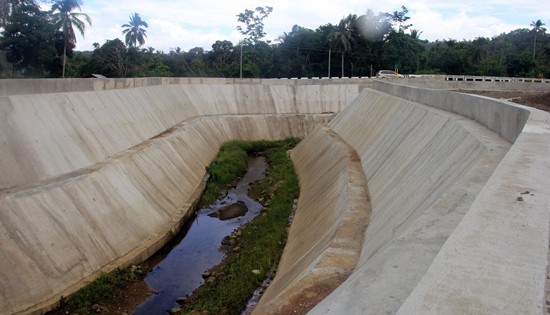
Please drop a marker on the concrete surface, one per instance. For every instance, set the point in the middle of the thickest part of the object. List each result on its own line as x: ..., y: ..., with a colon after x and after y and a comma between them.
x: 47, y: 135
x: 452, y: 239
x: 99, y: 179
x: 326, y: 236
x: 441, y: 82
x: 409, y: 200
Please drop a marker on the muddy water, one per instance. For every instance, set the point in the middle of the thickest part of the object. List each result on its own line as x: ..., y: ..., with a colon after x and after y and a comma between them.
x: 180, y: 272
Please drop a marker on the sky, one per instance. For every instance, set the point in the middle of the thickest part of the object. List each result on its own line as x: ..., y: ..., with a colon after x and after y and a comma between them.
x: 199, y: 23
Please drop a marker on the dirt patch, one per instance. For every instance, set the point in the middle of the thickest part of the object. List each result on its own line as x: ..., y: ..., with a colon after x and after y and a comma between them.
x: 123, y: 302
x: 532, y: 99
x: 309, y: 297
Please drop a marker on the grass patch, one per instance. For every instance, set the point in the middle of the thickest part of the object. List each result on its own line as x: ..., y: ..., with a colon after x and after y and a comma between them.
x: 231, y: 162
x: 262, y: 241
x: 103, y: 287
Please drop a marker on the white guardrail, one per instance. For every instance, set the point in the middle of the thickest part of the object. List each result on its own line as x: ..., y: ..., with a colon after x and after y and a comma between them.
x: 465, y: 78
x: 493, y: 79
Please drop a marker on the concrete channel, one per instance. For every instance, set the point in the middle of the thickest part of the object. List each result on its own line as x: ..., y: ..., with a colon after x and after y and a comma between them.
x: 414, y: 201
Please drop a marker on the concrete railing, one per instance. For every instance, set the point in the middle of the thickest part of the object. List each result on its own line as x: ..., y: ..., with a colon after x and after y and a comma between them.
x: 523, y: 85
x: 47, y: 86
x: 473, y: 78
x: 506, y: 120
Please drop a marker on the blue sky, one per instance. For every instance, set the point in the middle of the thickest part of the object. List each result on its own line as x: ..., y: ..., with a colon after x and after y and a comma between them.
x: 199, y: 23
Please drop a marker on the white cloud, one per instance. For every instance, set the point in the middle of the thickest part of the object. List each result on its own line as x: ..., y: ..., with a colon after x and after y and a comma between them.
x: 192, y: 23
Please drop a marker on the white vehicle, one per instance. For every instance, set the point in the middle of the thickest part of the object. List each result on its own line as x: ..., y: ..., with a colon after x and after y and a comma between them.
x: 388, y: 74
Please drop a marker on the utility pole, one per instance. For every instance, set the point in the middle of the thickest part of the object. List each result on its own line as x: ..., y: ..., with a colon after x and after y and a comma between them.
x: 329, y: 63
x: 241, y: 76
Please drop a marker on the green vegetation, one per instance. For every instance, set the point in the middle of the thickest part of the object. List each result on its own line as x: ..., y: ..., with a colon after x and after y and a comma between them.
x: 260, y: 246
x: 103, y: 287
x: 231, y: 163
x: 66, y: 20
x: 135, y: 33
x: 358, y: 45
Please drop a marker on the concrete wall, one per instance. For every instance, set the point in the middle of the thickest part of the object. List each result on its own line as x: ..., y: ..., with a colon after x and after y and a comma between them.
x: 447, y: 234
x: 325, y: 239
x: 412, y: 155
x: 496, y: 259
x: 46, y: 86
x: 47, y: 135
x: 412, y: 192
x: 506, y: 120
x: 449, y: 83
x: 94, y: 180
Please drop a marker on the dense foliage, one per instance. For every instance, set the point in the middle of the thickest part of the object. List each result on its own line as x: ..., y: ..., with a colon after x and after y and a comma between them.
x: 358, y: 45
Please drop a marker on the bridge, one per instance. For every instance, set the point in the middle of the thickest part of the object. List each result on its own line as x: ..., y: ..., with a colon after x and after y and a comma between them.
x: 414, y: 200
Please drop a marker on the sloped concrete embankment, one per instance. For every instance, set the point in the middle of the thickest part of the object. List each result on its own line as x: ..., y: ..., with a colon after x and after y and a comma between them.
x: 84, y: 191
x: 326, y: 236
x: 448, y: 232
x: 496, y: 259
x: 46, y: 135
x: 425, y: 168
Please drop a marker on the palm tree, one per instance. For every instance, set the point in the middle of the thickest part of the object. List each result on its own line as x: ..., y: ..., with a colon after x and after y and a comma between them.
x: 134, y: 33
x: 537, y: 27
x: 415, y: 33
x: 340, y: 37
x: 65, y: 19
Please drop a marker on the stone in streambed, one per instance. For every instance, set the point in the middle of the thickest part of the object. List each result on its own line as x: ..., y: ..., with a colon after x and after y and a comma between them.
x: 231, y: 211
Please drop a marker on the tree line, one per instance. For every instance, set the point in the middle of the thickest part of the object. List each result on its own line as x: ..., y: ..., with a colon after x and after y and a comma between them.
x: 358, y: 45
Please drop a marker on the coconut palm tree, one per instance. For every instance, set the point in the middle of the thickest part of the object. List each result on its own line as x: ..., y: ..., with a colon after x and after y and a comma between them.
x: 66, y: 20
x: 134, y: 32
x: 415, y: 33
x: 537, y: 28
x: 341, y: 37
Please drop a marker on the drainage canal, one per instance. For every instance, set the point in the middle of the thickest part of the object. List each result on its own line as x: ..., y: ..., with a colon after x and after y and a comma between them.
x: 180, y: 271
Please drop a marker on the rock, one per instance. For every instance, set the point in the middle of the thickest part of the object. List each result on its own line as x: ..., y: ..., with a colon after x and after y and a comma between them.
x: 231, y: 211
x: 136, y: 269
x: 225, y: 240
x: 520, y: 198
x: 206, y: 274
x: 175, y: 310
x: 98, y: 308
x: 181, y: 300
x: 256, y: 271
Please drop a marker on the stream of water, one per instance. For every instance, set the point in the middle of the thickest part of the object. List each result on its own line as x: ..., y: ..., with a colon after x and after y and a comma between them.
x: 180, y: 272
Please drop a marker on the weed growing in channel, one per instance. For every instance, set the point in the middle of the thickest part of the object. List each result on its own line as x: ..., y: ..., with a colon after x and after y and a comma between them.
x: 262, y: 241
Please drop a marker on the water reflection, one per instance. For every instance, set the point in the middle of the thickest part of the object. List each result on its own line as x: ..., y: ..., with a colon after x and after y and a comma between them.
x: 180, y: 272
